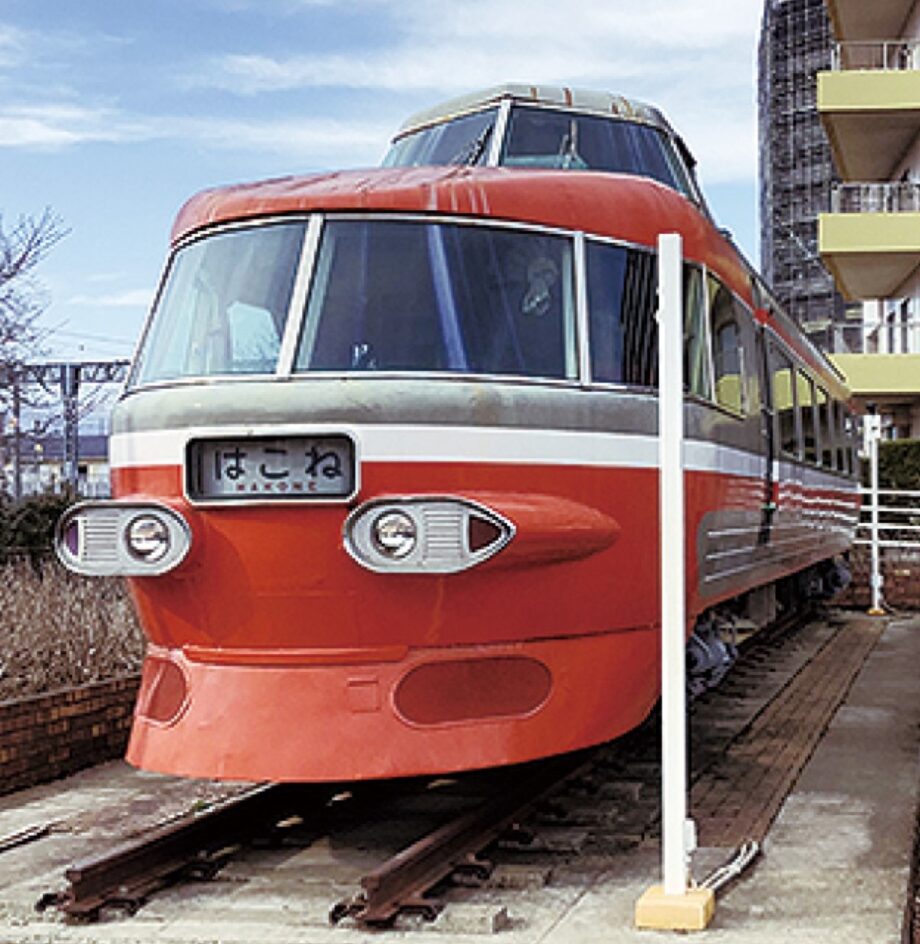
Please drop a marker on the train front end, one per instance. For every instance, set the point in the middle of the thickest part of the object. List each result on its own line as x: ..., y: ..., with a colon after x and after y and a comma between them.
x: 368, y: 512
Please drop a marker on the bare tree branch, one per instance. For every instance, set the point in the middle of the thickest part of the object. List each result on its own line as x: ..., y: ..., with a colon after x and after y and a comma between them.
x: 22, y: 299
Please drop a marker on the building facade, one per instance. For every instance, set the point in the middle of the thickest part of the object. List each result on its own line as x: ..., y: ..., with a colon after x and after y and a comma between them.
x: 869, y: 101
x: 42, y: 466
x: 797, y: 171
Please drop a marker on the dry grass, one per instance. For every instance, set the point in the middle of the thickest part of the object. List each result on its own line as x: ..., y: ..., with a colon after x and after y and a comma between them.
x: 58, y: 629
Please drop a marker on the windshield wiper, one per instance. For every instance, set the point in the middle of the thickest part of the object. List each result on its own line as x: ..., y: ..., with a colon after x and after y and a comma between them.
x: 471, y: 152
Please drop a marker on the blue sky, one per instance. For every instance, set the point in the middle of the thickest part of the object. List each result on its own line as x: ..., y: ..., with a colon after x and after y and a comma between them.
x: 113, y: 112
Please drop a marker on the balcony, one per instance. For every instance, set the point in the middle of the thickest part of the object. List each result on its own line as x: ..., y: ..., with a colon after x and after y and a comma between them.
x: 870, y: 241
x: 865, y: 19
x: 876, y: 198
x: 870, y: 105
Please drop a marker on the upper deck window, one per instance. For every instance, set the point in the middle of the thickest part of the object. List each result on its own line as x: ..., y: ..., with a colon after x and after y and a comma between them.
x: 557, y: 138
x: 548, y: 137
x: 462, y: 140
x: 398, y: 295
x: 223, y: 306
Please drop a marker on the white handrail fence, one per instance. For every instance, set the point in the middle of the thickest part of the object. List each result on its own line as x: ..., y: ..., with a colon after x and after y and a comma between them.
x: 898, y: 518
x: 892, y: 55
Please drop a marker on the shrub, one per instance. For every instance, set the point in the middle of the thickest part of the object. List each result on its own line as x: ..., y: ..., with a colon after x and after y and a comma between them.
x: 27, y: 526
x: 899, y: 464
x: 58, y: 629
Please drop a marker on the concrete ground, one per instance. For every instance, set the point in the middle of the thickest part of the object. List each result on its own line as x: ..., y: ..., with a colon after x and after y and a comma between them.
x: 836, y: 862
x: 834, y: 869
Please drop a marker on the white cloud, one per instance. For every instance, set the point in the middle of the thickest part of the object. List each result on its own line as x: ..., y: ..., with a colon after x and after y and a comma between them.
x: 46, y: 127
x: 299, y: 139
x: 49, y: 126
x: 12, y: 46
x: 693, y: 60
x: 450, y: 46
x: 133, y: 298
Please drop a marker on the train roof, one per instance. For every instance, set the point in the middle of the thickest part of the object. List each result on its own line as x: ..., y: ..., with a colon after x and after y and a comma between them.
x: 586, y: 100
x: 618, y: 206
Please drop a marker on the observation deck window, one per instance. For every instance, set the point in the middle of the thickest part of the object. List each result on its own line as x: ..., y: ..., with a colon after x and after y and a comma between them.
x: 223, y: 306
x: 401, y: 295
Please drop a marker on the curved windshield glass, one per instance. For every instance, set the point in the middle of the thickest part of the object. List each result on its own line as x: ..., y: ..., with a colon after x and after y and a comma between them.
x: 547, y: 137
x: 223, y: 305
x: 417, y: 296
x: 463, y: 140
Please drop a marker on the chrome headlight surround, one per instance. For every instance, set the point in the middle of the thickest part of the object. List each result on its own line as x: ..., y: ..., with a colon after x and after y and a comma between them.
x: 125, y: 539
x: 424, y: 535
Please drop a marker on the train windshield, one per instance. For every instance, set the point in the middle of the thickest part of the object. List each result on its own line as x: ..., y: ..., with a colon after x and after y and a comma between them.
x: 396, y: 295
x: 223, y: 306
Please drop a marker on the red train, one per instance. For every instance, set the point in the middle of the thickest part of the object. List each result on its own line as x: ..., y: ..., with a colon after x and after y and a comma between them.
x: 385, y: 467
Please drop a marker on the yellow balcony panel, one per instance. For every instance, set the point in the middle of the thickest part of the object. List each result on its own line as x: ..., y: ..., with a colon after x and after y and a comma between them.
x: 868, y: 19
x: 872, y: 118
x: 880, y: 375
x: 870, y: 255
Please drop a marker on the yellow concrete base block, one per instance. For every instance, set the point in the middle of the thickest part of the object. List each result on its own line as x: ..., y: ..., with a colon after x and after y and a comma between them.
x: 691, y: 911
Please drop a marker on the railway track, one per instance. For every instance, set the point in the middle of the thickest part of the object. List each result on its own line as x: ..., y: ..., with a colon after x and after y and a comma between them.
x: 196, y: 846
x: 590, y: 805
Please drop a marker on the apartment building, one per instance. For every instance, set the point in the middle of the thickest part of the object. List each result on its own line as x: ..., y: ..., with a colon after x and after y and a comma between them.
x: 869, y: 103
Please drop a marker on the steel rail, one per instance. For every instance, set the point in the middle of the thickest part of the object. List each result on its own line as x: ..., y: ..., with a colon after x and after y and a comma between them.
x: 403, y: 882
x: 197, y: 846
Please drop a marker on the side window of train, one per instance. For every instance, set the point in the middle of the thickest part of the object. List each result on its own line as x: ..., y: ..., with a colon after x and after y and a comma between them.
x: 697, y: 364
x: 727, y: 349
x: 850, y: 436
x: 784, y: 401
x: 805, y: 391
x: 839, y: 437
x: 825, y: 428
x: 621, y: 304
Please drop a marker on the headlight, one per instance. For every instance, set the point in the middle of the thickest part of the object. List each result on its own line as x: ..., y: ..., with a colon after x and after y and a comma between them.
x: 122, y: 538
x: 424, y: 534
x: 394, y: 534
x: 147, y: 538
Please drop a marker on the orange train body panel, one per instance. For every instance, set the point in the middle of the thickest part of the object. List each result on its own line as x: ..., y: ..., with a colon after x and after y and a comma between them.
x: 274, y: 631
x: 344, y: 722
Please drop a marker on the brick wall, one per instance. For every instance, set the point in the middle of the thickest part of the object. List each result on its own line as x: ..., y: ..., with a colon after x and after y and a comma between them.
x: 901, y: 571
x: 49, y: 736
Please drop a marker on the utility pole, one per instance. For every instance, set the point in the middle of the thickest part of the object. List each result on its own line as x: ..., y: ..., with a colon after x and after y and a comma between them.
x: 70, y: 389
x: 17, y: 439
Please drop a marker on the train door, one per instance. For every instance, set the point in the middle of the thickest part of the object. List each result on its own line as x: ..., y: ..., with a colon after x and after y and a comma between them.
x: 768, y: 437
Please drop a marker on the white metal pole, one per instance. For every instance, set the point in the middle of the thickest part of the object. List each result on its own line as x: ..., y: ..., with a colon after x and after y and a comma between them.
x: 873, y: 422
x: 673, y: 601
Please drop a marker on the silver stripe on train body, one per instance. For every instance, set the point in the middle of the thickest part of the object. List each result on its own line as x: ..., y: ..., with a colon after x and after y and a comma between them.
x: 433, y: 400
